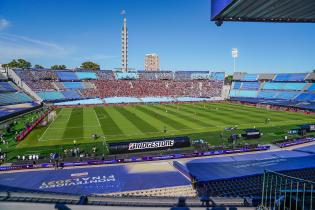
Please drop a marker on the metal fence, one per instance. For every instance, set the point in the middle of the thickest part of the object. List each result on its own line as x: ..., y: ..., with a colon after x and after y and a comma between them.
x: 282, y: 192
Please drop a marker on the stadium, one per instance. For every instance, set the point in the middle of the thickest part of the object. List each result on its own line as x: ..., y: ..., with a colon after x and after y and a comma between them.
x: 83, y: 138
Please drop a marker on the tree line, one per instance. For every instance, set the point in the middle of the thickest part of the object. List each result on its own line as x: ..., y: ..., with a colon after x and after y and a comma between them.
x: 24, y: 64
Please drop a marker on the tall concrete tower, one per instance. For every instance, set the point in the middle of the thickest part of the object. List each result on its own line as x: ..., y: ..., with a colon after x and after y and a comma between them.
x: 124, y: 44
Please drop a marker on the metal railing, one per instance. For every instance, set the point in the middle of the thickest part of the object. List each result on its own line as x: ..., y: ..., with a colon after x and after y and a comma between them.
x: 282, y: 192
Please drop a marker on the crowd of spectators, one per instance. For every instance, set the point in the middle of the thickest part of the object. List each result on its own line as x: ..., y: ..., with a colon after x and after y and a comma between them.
x: 144, y: 88
x: 149, y: 84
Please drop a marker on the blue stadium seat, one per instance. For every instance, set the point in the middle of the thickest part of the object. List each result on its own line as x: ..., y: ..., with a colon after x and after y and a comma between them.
x: 236, y: 85
x: 290, y: 77
x: 305, y: 97
x: 51, y: 95
x: 247, y: 93
x: 274, y: 86
x: 86, y: 75
x: 218, y: 75
x: 294, y: 86
x: 250, y: 85
x: 73, y: 85
x: 267, y: 95
x: 250, y: 77
x: 234, y: 93
x: 67, y: 76
x: 14, y: 98
x: 7, y: 87
x: 286, y: 95
x: 71, y: 95
x: 312, y: 87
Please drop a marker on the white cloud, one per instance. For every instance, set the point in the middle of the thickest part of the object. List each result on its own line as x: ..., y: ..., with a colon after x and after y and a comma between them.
x: 4, y: 24
x: 15, y: 46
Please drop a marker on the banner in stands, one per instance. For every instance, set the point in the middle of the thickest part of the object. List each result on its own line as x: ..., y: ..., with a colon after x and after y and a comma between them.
x: 149, y: 144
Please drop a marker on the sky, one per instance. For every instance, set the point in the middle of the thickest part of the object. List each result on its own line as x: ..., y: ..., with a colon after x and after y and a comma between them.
x: 69, y: 32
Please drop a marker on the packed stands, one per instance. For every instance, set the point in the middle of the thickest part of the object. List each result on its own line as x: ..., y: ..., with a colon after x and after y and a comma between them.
x: 62, y: 85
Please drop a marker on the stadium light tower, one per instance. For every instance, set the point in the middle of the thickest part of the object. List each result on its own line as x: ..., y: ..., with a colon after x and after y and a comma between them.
x: 124, y: 43
x: 234, y: 56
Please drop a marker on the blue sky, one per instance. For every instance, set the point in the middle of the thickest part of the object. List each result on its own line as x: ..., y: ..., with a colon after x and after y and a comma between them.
x: 69, y: 32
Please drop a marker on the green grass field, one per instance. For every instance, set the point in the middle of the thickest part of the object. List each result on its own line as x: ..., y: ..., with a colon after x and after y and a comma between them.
x: 116, y: 123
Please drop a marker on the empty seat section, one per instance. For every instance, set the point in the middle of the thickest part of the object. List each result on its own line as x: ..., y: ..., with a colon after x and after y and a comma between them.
x: 73, y: 85
x: 290, y: 77
x: 274, y: 86
x: 247, y: 93
x: 312, y: 87
x: 7, y: 87
x: 286, y: 95
x: 51, y: 95
x: 294, y: 86
x: 236, y: 85
x: 250, y: 77
x: 218, y: 76
x: 66, y: 76
x: 267, y: 95
x: 86, y: 75
x: 234, y: 93
x: 250, y: 85
x: 14, y: 98
x: 305, y: 97
x: 71, y: 95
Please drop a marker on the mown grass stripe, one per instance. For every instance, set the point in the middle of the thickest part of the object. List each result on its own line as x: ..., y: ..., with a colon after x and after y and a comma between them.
x: 240, y: 117
x: 246, y: 114
x: 276, y: 114
x: 254, y: 113
x: 74, y: 128
x: 162, y: 118
x: 142, y: 125
x: 183, y: 116
x: 215, y: 118
x: 200, y: 116
x: 109, y: 127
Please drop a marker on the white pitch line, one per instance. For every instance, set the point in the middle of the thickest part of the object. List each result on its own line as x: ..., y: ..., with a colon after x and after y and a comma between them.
x: 40, y: 139
x: 48, y: 127
x: 97, y: 118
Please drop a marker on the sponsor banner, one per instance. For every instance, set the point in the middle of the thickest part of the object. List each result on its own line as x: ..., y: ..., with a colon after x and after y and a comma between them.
x: 149, y: 144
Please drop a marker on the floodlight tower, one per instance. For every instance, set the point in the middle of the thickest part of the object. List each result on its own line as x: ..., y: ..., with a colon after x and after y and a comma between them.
x: 124, y: 43
x: 234, y: 56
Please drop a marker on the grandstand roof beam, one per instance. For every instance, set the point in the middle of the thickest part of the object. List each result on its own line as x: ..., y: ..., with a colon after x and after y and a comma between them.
x: 263, y: 11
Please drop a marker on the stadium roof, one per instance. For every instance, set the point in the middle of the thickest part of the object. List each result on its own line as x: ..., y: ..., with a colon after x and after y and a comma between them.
x: 298, y: 11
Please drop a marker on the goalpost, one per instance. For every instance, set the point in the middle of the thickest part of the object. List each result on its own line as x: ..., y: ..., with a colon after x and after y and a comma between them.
x: 51, y: 116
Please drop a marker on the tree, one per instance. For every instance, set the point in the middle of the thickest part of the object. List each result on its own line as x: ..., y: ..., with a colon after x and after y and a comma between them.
x: 23, y: 64
x: 90, y: 65
x: 228, y: 80
x: 5, y: 66
x: 37, y: 66
x: 58, y: 67
x: 20, y: 63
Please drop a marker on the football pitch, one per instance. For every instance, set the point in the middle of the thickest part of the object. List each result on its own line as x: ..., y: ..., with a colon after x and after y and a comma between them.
x: 199, y: 121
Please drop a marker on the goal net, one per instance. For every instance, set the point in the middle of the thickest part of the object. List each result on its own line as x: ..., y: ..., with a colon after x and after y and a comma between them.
x: 51, y: 116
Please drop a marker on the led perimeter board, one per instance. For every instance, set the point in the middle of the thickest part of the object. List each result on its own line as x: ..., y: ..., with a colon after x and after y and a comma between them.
x: 148, y: 145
